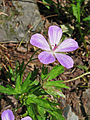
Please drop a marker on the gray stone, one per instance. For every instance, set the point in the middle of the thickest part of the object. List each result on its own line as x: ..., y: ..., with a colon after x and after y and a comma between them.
x: 2, y: 34
x: 30, y: 12
x: 86, y: 102
x: 14, y: 26
x: 68, y: 114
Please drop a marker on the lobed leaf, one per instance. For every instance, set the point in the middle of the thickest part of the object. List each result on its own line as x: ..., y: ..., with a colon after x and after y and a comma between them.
x: 54, y: 92
x: 57, y: 70
x: 9, y: 91
x: 87, y: 18
x: 18, y: 85
x: 57, y: 84
x: 56, y: 115
x: 26, y: 83
x: 38, y: 107
x: 41, y: 102
x: 32, y: 111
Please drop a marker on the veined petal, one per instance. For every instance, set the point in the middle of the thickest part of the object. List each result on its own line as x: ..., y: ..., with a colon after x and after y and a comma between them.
x: 64, y: 60
x: 67, y: 46
x: 39, y: 41
x: 55, y: 34
x: 7, y: 115
x: 46, y: 57
x: 26, y: 118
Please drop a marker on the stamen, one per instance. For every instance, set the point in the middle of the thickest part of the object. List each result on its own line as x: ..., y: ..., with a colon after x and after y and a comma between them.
x: 55, y: 46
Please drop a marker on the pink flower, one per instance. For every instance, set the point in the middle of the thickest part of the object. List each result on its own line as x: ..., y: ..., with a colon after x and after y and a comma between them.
x: 26, y: 118
x: 54, y: 49
x: 8, y: 115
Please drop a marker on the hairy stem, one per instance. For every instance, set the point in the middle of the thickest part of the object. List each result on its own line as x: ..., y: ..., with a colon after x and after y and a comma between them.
x: 87, y: 73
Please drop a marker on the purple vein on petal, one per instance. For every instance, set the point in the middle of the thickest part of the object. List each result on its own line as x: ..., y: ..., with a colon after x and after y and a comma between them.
x: 67, y: 46
x: 46, y: 57
x: 64, y: 60
x: 55, y: 34
x: 39, y: 41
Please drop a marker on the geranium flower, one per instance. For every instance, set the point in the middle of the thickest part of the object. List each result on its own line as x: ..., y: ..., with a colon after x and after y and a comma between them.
x: 8, y: 115
x: 54, y: 49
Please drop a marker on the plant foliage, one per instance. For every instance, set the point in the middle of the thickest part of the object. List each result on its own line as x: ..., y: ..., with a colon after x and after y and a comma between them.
x: 35, y: 94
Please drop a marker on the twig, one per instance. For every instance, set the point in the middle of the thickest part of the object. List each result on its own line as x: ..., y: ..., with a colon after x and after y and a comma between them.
x: 7, y: 42
x: 51, y: 16
x: 2, y: 13
x: 85, y: 86
x: 3, y: 46
x: 43, y: 3
x: 87, y: 73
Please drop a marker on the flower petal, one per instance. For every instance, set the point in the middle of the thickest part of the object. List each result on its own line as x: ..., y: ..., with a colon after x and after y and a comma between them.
x: 67, y: 46
x: 7, y: 115
x: 26, y: 118
x: 64, y: 60
x: 39, y: 41
x: 55, y: 34
x: 46, y: 57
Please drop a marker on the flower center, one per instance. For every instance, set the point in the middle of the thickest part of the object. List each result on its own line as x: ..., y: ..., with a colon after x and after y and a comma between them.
x: 54, y: 47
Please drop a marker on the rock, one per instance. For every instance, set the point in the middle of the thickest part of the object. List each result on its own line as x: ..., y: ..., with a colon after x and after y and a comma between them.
x: 86, y: 102
x: 68, y: 114
x: 30, y: 13
x: 22, y: 14
x: 2, y: 34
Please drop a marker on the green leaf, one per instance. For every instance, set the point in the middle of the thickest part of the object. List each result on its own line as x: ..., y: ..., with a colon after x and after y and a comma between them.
x: 38, y: 107
x: 32, y: 111
x: 44, y: 1
x: 34, y: 74
x: 50, y: 2
x: 57, y: 84
x: 87, y: 18
x: 57, y: 115
x: 21, y: 67
x: 41, y: 117
x: 9, y: 91
x: 18, y: 85
x: 41, y: 102
x: 54, y: 88
x: 19, y: 70
x: 57, y: 70
x: 44, y: 72
x: 54, y: 92
x: 26, y: 83
x: 41, y: 110
x: 11, y: 73
x: 76, y: 10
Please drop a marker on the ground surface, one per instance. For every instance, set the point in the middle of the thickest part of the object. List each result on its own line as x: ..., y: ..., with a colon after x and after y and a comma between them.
x: 76, y: 97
